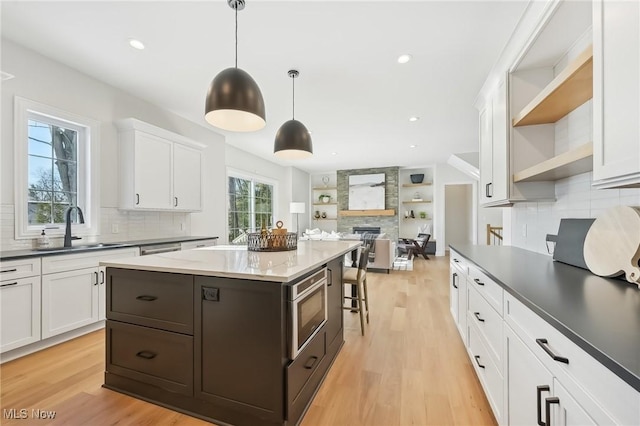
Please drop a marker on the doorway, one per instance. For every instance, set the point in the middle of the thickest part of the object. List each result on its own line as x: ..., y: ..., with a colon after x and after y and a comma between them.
x: 458, y: 213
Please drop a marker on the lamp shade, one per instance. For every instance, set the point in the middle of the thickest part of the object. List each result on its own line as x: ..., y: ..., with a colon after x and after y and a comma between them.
x: 234, y: 102
x: 293, y: 141
x: 296, y: 207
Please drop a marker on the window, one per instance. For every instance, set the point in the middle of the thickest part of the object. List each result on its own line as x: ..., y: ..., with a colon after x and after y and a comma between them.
x: 250, y: 206
x: 56, y: 167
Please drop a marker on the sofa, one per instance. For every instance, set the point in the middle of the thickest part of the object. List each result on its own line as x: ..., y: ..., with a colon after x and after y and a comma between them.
x: 384, y: 254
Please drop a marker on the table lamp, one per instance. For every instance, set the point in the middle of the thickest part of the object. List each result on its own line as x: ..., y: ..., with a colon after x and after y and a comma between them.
x: 296, y: 208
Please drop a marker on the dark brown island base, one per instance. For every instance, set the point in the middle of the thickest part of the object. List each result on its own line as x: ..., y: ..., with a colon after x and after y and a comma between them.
x: 246, y: 344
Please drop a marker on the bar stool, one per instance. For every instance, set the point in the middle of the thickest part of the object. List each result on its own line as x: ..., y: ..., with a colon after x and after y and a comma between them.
x: 358, y: 279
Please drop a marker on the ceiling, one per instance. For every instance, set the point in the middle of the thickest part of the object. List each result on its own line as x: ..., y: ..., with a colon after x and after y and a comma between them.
x: 351, y: 94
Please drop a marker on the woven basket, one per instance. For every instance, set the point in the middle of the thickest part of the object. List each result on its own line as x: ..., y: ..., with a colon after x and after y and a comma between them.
x: 272, y: 242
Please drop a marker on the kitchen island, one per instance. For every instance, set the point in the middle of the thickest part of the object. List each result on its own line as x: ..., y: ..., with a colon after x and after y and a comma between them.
x: 209, y: 331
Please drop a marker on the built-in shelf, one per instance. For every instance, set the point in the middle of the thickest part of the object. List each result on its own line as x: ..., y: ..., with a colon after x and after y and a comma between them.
x: 411, y: 185
x: 325, y: 218
x: 573, y: 162
x: 416, y: 218
x: 567, y: 91
x: 324, y: 188
x: 416, y: 202
x: 390, y: 212
x: 325, y: 204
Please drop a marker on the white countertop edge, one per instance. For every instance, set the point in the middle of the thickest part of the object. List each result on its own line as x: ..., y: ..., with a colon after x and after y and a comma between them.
x: 193, y: 261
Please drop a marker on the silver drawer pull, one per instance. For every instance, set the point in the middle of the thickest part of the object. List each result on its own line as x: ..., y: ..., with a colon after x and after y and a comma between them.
x: 146, y: 354
x: 8, y: 270
x: 8, y: 284
x: 544, y: 344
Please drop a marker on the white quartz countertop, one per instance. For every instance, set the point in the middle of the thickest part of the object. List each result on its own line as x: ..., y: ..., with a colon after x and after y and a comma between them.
x: 238, y: 262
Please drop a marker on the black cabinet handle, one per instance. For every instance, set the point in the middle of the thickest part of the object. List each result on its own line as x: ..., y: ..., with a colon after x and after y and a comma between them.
x: 456, y: 260
x: 454, y: 280
x: 311, y: 362
x: 489, y: 195
x: 486, y: 190
x: 544, y: 344
x: 137, y: 199
x: 330, y: 279
x: 146, y: 354
x: 175, y: 201
x: 540, y: 389
x: 101, y: 277
x: 477, y: 314
x: 477, y: 358
x: 8, y: 284
x: 547, y: 407
x: 146, y: 298
x: 8, y: 270
x: 96, y: 276
x: 478, y: 281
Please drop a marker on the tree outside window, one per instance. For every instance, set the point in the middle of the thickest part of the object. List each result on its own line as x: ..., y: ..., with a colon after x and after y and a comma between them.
x: 250, y: 207
x: 52, y: 172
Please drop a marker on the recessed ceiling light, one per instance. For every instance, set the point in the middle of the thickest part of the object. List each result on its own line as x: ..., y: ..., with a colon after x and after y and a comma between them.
x: 334, y: 153
x: 136, y: 44
x: 414, y: 118
x: 403, y: 59
x: 413, y: 146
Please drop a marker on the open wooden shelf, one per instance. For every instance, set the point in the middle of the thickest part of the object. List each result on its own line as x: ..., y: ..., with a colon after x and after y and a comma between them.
x: 390, y: 212
x: 325, y: 218
x: 411, y: 185
x: 325, y: 204
x: 416, y: 202
x: 327, y: 188
x: 567, y: 91
x: 574, y: 162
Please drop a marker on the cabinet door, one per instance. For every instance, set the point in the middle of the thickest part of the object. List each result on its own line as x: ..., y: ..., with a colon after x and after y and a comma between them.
x: 19, y: 312
x: 69, y: 300
x: 486, y: 153
x: 462, y: 306
x: 454, y: 293
x: 616, y: 93
x: 187, y: 178
x: 335, y: 299
x: 152, y: 172
x: 500, y: 142
x: 528, y: 382
x: 567, y: 411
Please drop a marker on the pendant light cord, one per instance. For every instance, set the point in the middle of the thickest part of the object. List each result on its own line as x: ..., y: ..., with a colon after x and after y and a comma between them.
x: 293, y: 83
x: 236, y: 9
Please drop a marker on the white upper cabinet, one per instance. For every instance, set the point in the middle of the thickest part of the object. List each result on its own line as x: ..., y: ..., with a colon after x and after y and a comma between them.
x: 616, y: 93
x: 159, y: 170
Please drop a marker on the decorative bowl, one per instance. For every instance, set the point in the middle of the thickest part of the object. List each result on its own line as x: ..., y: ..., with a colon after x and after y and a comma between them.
x: 417, y: 178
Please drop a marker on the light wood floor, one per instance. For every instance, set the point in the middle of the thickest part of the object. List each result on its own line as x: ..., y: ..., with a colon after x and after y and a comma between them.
x: 410, y: 368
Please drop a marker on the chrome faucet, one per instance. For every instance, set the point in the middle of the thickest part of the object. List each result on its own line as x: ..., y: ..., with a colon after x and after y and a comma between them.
x: 67, y: 232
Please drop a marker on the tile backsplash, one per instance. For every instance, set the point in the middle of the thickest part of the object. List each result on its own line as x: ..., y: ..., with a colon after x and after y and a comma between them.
x: 115, y: 225
x: 530, y: 222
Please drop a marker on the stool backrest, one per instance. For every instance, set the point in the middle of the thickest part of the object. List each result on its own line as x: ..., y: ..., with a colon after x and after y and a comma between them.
x: 363, y: 262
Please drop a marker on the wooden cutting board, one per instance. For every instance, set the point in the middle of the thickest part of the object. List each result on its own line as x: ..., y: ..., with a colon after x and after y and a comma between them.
x: 612, y: 245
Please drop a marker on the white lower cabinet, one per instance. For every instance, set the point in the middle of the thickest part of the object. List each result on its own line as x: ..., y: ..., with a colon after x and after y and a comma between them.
x: 19, y: 312
x: 188, y: 245
x: 69, y: 300
x: 458, y: 293
x: 487, y: 371
x: 565, y: 410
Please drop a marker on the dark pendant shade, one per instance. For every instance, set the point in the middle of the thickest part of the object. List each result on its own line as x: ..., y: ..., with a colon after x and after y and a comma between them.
x: 293, y: 141
x: 234, y: 102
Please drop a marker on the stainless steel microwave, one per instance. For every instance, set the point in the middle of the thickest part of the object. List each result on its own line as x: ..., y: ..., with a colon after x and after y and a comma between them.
x: 307, y: 310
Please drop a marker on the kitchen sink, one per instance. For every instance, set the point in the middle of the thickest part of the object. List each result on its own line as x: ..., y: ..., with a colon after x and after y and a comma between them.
x: 81, y: 247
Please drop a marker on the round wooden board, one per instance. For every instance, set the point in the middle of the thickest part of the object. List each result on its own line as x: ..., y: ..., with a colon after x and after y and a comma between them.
x: 612, y: 245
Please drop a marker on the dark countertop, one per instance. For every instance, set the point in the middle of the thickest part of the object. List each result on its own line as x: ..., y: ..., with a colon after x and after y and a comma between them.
x: 601, y: 315
x: 20, y: 254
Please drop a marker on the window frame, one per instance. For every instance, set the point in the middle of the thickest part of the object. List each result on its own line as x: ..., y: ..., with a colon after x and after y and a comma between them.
x: 88, y: 168
x: 254, y: 178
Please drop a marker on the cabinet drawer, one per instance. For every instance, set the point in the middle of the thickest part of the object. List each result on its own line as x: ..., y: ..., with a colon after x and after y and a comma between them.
x: 19, y: 312
x: 188, y: 245
x: 459, y: 262
x: 488, y: 323
x: 152, y: 299
x: 69, y: 262
x: 160, y: 358
x: 488, y: 288
x: 307, y: 361
x: 594, y: 386
x: 16, y: 269
x: 487, y: 371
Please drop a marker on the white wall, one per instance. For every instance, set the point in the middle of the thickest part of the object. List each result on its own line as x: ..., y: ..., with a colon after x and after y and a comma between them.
x: 458, y: 214
x: 446, y: 174
x: 44, y: 80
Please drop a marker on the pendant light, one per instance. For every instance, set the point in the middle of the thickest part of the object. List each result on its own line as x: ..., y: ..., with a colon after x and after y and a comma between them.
x: 293, y: 140
x: 234, y: 101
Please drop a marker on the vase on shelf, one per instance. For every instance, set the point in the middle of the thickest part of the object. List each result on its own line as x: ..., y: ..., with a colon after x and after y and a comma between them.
x: 417, y: 178
x: 317, y: 215
x: 324, y: 215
